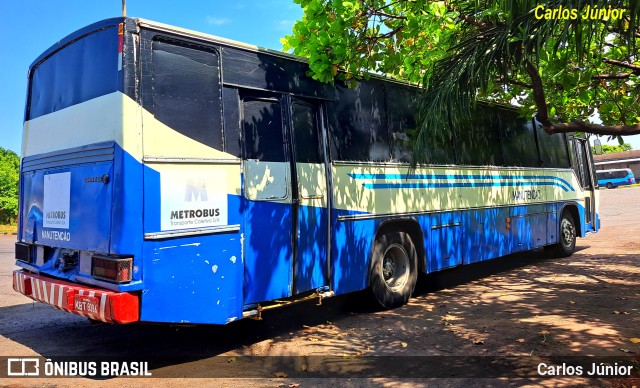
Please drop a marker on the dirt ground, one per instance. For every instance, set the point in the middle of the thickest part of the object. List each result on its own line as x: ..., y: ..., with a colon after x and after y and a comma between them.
x: 522, y: 308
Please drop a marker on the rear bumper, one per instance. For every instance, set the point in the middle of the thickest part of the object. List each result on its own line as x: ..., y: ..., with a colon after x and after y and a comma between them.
x: 109, y: 306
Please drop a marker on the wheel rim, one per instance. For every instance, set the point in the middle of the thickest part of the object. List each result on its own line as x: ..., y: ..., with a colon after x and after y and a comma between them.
x: 395, y: 267
x: 567, y: 232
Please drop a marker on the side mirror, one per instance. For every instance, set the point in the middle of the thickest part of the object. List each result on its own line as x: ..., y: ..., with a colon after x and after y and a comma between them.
x: 597, y: 147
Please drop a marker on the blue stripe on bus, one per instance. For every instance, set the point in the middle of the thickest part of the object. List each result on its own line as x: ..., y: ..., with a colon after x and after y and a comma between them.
x: 566, y: 186
x: 456, y: 184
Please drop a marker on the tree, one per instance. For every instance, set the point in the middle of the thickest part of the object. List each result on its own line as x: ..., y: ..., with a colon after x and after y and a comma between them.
x: 9, y: 174
x: 543, y: 56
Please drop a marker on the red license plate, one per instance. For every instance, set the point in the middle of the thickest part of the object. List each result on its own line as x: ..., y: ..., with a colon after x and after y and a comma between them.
x: 86, y: 304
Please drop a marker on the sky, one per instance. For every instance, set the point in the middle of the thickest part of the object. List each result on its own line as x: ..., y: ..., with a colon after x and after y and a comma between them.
x: 29, y: 27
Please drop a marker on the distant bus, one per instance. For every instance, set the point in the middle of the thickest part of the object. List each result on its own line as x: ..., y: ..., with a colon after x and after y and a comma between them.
x: 615, y: 177
x: 173, y: 176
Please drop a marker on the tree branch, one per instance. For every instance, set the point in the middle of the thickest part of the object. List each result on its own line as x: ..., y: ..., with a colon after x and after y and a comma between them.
x: 538, y: 93
x: 475, y: 22
x: 596, y: 129
x: 622, y: 64
x: 611, y: 76
x: 387, y: 15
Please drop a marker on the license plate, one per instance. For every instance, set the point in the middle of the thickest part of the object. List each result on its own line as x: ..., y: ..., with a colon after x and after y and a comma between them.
x: 86, y: 304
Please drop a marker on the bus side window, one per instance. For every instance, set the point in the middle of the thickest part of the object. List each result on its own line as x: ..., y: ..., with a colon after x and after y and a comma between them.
x: 307, y: 134
x: 401, y: 107
x: 479, y: 144
x: 553, y: 149
x: 186, y: 90
x: 518, y: 141
x: 262, y: 127
x: 360, y: 129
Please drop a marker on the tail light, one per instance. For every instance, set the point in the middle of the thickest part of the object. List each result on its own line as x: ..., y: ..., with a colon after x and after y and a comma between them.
x: 112, y: 269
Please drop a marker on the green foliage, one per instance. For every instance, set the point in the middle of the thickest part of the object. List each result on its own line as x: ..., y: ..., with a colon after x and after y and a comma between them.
x: 464, y: 50
x: 609, y: 149
x: 9, y: 174
x: 397, y: 38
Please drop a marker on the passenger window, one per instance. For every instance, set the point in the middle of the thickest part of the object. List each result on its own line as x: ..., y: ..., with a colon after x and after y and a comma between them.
x: 186, y: 90
x: 262, y: 128
x: 307, y: 134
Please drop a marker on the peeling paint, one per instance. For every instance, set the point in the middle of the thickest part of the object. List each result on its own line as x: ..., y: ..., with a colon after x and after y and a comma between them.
x: 206, y: 261
x: 192, y: 244
x: 233, y: 259
x: 229, y: 320
x: 218, y: 302
x: 214, y: 268
x: 169, y: 247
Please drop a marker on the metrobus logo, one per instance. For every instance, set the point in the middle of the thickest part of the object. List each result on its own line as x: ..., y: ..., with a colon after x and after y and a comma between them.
x: 195, y: 191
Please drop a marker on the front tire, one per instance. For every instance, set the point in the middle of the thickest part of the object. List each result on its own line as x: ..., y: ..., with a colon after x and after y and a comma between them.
x: 393, y: 269
x: 567, y: 236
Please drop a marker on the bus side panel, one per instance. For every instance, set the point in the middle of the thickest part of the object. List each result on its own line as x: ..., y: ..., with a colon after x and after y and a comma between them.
x: 312, y: 258
x: 528, y: 226
x: 445, y: 240
x: 485, y: 234
x: 126, y: 224
x: 351, y: 252
x: 195, y: 279
x: 267, y: 254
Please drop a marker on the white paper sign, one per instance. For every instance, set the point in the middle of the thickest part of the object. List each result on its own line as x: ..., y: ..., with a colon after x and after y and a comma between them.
x: 56, y: 199
x: 193, y: 200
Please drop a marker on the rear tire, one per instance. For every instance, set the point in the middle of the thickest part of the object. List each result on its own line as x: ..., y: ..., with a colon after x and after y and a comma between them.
x: 567, y: 236
x: 393, y: 269
x: 609, y: 185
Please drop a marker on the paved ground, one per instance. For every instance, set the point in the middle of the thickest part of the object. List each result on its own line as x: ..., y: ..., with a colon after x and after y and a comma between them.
x: 513, y: 309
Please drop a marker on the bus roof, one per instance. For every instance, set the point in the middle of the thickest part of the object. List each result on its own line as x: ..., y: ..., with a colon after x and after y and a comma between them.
x: 209, y: 38
x: 75, y: 36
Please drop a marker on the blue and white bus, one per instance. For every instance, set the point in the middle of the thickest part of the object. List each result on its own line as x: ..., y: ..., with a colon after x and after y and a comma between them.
x: 173, y: 176
x: 615, y: 177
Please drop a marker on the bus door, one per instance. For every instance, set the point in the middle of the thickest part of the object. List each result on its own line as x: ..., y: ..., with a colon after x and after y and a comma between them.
x: 310, y: 196
x: 587, y: 176
x: 284, y: 238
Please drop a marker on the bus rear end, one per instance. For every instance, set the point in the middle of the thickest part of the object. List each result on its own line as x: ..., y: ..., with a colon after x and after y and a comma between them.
x: 77, y: 243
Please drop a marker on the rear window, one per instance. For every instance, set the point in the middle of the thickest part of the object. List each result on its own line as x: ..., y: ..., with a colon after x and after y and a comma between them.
x: 82, y: 70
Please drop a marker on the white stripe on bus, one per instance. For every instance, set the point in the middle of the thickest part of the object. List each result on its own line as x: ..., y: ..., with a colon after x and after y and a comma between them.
x: 36, y: 284
x: 52, y: 294
x: 44, y: 292
x: 60, y: 292
x: 103, y: 304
